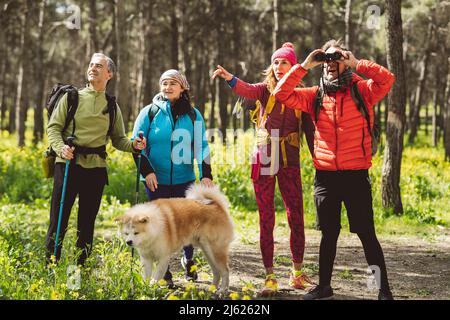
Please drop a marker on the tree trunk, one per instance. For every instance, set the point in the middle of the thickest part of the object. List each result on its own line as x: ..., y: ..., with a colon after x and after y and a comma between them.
x: 221, y: 38
x: 140, y: 60
x: 12, y: 109
x: 378, y: 114
x: 390, y: 189
x: 41, y: 69
x: 275, y: 26
x: 3, y: 65
x: 112, y: 84
x: 148, y: 53
x: 212, y: 111
x: 201, y: 77
x: 93, y: 41
x: 415, y: 119
x: 22, y: 82
x: 446, y: 115
x: 175, y: 35
x: 348, y: 25
x: 123, y: 66
x: 317, y: 40
x: 434, y: 115
x: 236, y: 44
x: 186, y: 62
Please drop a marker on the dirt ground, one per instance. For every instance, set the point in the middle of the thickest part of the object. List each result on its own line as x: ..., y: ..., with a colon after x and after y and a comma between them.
x: 417, y: 268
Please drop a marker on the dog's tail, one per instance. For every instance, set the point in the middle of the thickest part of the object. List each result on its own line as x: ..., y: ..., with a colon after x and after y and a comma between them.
x: 208, y: 195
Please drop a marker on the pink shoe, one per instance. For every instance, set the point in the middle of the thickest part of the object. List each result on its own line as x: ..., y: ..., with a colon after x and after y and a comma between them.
x: 301, y: 282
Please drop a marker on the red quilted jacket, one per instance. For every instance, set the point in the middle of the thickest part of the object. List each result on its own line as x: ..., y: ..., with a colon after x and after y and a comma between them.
x: 342, y: 140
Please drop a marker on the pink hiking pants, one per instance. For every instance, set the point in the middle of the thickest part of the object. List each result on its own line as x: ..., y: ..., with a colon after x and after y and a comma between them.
x: 290, y: 185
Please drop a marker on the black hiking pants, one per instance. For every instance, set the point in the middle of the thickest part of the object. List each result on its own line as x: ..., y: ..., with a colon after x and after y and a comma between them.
x: 88, y: 184
x: 353, y: 188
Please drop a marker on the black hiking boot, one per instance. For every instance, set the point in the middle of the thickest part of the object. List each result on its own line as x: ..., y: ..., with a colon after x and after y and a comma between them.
x: 319, y: 293
x: 168, y: 279
x: 385, y: 295
x: 190, y: 269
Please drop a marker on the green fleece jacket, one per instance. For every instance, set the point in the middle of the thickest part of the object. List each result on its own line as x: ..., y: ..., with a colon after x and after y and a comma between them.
x: 91, y: 127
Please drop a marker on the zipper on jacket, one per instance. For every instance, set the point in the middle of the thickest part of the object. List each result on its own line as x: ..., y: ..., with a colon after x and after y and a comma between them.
x: 335, y: 132
x: 171, y: 149
x: 342, y: 106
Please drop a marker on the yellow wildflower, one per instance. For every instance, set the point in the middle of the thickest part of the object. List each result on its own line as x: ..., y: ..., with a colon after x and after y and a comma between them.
x: 234, y: 296
x: 54, y: 295
x: 189, y: 286
x: 193, y: 268
x: 162, y: 283
x: 212, y: 288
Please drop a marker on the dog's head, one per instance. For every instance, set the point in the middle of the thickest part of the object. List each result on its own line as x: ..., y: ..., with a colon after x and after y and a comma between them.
x: 133, y: 226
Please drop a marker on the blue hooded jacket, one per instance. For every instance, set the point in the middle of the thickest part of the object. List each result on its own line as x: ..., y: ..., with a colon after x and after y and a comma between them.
x: 173, y: 145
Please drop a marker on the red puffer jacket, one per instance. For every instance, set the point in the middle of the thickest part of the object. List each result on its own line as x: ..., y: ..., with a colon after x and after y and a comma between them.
x: 342, y: 140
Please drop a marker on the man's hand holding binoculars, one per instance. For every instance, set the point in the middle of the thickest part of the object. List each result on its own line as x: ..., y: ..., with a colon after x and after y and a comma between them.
x: 319, y: 56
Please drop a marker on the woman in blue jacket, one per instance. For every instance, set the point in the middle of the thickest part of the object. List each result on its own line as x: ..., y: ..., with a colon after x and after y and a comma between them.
x: 175, y: 133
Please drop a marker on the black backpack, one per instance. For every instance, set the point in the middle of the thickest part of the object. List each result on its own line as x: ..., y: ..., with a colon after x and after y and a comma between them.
x: 58, y: 92
x: 374, y: 131
x: 53, y: 99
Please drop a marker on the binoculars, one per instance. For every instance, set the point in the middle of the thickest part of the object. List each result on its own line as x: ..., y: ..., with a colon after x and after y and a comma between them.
x: 321, y: 56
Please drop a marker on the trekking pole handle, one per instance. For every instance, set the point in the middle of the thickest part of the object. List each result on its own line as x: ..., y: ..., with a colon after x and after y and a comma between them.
x: 70, y: 141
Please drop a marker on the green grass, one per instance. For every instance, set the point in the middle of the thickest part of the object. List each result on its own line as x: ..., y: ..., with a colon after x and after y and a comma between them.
x: 25, y: 196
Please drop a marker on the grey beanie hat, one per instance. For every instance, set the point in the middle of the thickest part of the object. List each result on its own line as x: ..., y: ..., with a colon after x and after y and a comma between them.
x: 177, y: 76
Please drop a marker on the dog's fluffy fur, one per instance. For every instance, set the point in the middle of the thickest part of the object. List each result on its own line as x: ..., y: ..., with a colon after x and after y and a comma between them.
x: 159, y: 228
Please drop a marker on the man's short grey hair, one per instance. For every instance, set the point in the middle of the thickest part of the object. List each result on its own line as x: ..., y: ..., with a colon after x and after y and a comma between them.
x: 109, y: 61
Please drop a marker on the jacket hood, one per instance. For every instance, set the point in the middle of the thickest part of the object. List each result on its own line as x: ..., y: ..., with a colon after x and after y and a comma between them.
x: 161, y: 102
x: 182, y: 106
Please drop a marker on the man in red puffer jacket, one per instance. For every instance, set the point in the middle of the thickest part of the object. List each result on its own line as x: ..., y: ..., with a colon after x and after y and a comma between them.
x: 342, y: 152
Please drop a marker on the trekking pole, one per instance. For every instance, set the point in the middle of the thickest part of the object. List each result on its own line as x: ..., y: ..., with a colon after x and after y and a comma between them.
x: 61, y: 203
x: 138, y: 175
x: 138, y: 171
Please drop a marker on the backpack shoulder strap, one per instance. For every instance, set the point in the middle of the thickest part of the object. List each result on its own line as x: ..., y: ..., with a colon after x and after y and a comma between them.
x: 356, y: 96
x: 193, y: 115
x: 72, y: 105
x: 270, y: 104
x: 373, y: 131
x: 112, y: 110
x: 254, y: 114
x: 317, y: 103
x: 152, y: 111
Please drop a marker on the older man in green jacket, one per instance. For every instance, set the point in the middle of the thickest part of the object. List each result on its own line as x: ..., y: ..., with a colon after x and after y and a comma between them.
x: 87, y: 172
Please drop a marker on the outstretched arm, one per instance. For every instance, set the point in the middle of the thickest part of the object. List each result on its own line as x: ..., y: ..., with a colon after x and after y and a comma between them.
x: 242, y: 88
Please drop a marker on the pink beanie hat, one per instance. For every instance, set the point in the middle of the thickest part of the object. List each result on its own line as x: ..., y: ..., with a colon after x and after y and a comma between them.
x: 286, y: 51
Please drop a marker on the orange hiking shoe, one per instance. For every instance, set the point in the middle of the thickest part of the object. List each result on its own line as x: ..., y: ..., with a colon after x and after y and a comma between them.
x: 270, y: 286
x: 299, y: 280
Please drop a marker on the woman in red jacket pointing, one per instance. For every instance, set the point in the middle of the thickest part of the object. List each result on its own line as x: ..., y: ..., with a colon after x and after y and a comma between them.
x: 276, y: 158
x: 342, y: 151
